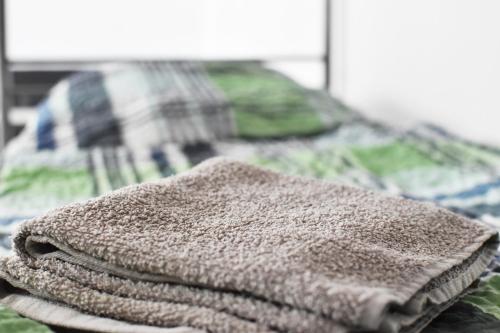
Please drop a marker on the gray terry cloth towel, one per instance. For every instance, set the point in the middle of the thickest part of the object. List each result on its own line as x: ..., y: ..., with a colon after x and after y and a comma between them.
x: 228, y: 247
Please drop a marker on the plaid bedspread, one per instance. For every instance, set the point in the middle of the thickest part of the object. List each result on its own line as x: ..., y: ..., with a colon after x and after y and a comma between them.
x: 65, y: 157
x: 424, y: 163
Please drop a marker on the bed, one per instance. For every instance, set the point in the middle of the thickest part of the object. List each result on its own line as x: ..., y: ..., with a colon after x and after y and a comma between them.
x: 86, y: 139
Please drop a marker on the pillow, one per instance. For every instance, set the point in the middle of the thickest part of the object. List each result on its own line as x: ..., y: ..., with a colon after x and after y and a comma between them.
x: 147, y: 104
x: 267, y: 104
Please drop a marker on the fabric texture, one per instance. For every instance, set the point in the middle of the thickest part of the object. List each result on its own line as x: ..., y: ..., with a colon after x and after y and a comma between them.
x: 231, y: 247
x: 464, y: 318
x: 47, y: 166
x: 58, y: 316
x: 10, y: 321
x: 147, y: 104
x: 422, y: 163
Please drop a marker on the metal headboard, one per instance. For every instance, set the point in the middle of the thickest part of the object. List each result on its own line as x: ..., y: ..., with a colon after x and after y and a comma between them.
x: 24, y: 83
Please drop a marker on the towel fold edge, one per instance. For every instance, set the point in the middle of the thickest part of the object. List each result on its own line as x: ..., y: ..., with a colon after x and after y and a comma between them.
x: 59, y: 315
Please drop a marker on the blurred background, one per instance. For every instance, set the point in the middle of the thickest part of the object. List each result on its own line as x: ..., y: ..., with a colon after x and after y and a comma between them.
x: 396, y: 96
x: 395, y: 61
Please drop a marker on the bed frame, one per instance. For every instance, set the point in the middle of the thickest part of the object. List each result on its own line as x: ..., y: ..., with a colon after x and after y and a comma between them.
x: 24, y: 83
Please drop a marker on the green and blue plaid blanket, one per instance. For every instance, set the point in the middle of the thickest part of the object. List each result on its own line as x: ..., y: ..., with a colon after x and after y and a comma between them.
x: 424, y: 163
x: 146, y: 104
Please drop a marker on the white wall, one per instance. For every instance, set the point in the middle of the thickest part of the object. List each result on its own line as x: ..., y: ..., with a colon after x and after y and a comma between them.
x: 90, y: 29
x: 434, y: 60
x: 155, y: 28
x: 396, y: 60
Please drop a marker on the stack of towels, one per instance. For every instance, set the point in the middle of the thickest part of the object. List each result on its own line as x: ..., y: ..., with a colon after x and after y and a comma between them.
x: 228, y: 247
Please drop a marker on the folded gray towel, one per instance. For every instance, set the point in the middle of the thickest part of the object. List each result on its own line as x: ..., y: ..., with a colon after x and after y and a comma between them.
x: 228, y: 247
